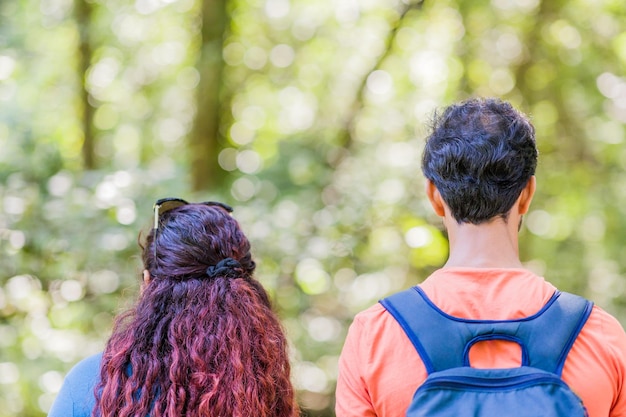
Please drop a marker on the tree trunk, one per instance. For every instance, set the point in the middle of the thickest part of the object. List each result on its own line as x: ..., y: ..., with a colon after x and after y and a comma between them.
x: 205, y: 138
x: 83, y: 13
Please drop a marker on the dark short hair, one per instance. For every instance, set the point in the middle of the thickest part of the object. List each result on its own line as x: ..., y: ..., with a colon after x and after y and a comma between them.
x: 480, y: 155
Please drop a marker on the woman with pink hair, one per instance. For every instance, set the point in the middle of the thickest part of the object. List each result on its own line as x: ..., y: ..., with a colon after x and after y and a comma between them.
x: 202, y: 339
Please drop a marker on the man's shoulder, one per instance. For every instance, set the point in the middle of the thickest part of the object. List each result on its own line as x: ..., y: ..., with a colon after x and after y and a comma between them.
x: 371, y: 313
x: 606, y: 329
x: 375, y: 322
x: 374, y: 314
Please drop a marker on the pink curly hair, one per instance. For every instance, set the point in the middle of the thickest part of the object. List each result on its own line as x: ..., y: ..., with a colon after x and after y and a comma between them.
x: 200, y: 341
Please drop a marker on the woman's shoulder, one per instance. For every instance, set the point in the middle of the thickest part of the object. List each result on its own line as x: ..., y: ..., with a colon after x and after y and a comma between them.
x: 87, y: 366
x: 76, y: 398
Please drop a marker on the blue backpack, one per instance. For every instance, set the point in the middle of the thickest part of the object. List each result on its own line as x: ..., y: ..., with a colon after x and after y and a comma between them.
x: 454, y: 389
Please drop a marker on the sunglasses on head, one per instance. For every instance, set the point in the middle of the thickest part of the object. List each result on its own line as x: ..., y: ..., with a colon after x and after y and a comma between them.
x: 166, y: 204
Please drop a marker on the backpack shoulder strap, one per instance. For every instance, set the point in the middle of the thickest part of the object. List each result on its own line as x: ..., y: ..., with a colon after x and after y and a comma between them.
x: 444, y: 341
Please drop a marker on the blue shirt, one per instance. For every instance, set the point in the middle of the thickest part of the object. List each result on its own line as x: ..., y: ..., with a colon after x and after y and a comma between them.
x: 77, y: 398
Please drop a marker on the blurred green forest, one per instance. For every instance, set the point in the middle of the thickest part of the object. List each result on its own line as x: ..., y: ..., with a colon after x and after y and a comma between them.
x: 308, y: 116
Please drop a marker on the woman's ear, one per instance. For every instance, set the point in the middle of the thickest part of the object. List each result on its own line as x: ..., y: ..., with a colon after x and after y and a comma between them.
x: 436, y: 201
x: 146, y: 281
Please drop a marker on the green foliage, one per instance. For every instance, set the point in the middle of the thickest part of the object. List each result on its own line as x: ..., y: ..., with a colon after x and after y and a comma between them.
x: 324, y: 109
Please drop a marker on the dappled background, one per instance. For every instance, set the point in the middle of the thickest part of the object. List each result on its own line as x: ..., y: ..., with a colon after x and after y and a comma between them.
x: 308, y: 116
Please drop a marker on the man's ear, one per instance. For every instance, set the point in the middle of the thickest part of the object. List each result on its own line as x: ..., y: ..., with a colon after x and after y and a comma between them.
x: 436, y: 201
x: 146, y: 277
x: 526, y: 196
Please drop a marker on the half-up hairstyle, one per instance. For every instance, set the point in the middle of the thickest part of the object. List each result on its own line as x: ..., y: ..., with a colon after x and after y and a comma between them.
x: 202, y: 340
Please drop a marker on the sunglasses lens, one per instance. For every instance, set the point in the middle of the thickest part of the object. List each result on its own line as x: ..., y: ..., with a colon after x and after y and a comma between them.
x: 169, y: 205
x: 218, y: 204
x: 164, y: 205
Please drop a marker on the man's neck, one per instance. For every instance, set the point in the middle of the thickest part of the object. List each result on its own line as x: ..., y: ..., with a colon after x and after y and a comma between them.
x: 488, y: 245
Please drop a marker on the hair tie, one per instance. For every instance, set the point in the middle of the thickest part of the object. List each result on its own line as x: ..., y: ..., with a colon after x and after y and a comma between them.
x: 227, y: 268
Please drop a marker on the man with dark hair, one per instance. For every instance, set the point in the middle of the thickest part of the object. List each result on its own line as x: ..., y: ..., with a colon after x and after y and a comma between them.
x: 480, y: 156
x: 479, y: 163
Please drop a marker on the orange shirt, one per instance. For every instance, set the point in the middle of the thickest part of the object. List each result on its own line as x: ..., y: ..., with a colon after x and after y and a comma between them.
x: 379, y: 369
